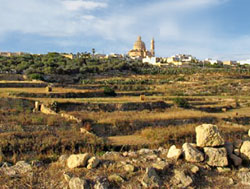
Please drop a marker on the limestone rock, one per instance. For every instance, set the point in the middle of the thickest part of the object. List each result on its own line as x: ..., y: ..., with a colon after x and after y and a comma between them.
x: 245, y: 177
x: 161, y: 165
x: 223, y: 169
x: 145, y: 151
x: 78, y: 183
x: 129, y: 168
x: 115, y: 178
x: 245, y: 150
x: 151, y: 179
x: 195, y: 169
x: 63, y: 159
x: 174, y: 153
x: 208, y: 135
x: 77, y: 160
x: 236, y: 160
x: 151, y: 157
x: 183, y: 179
x: 93, y: 163
x: 67, y: 176
x: 237, y: 152
x: 22, y: 167
x: 101, y: 183
x: 216, y: 157
x: 8, y: 171
x: 192, y: 154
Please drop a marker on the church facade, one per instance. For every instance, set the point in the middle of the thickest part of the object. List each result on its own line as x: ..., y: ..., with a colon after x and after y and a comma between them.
x: 139, y: 50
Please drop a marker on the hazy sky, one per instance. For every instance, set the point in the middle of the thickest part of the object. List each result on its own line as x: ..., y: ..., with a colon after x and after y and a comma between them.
x: 203, y: 28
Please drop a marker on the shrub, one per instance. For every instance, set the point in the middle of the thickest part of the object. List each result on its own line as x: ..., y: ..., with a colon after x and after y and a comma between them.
x: 181, y: 102
x: 35, y: 76
x: 109, y: 91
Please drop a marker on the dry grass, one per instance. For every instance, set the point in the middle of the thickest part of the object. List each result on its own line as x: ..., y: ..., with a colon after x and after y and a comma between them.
x: 147, y: 116
x: 178, y: 135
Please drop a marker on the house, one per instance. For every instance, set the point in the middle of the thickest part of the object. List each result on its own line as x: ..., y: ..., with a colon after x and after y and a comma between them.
x: 211, y: 61
x: 230, y: 63
x: 70, y: 56
x: 10, y: 54
x: 150, y: 60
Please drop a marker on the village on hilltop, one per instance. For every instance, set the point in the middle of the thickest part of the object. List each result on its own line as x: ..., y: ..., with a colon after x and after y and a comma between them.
x: 140, y: 52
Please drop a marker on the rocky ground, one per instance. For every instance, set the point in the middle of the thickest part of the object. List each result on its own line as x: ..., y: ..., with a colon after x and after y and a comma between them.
x: 210, y: 163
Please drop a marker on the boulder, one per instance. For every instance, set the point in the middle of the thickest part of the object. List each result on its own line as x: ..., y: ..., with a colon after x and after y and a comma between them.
x: 174, y: 153
x: 161, y: 166
x: 115, y: 178
x: 151, y: 179
x: 78, y: 183
x: 183, y: 179
x: 151, y: 157
x: 101, y: 183
x: 77, y: 160
x: 129, y: 168
x: 63, y: 159
x: 195, y: 169
x: 208, y: 135
x: 216, y: 157
x: 145, y: 151
x: 93, y: 163
x: 236, y: 160
x: 244, y: 177
x: 22, y: 167
x: 192, y: 154
x: 245, y: 151
x: 223, y: 169
x: 67, y: 176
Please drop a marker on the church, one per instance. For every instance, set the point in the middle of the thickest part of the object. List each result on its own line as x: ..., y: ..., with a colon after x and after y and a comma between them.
x: 139, y: 50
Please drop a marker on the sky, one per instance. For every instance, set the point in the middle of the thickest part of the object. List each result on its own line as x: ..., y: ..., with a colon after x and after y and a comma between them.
x: 218, y: 29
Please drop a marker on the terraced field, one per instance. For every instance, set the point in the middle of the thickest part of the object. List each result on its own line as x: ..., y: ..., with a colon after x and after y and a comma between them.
x: 164, y: 105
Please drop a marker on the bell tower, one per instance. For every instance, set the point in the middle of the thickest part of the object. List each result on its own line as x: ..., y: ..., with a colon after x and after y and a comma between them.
x: 153, y: 47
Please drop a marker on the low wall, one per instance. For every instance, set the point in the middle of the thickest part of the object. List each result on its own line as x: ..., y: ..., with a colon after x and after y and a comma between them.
x: 23, y: 85
x: 47, y: 110
x: 111, y: 107
x: 80, y: 95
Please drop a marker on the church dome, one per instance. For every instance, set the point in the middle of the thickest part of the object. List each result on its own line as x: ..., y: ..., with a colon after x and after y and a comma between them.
x: 139, y: 45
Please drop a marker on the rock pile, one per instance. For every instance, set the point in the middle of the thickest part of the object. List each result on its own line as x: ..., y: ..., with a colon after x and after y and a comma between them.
x: 82, y: 160
x: 211, y: 148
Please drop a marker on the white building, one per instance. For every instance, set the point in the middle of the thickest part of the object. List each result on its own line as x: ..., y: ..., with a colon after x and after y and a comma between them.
x: 150, y: 60
x: 211, y: 61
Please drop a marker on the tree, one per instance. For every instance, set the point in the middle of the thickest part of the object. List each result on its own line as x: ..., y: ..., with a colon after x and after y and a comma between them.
x: 93, y: 51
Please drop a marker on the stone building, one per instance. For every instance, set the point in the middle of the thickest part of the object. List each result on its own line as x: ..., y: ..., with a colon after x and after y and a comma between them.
x: 139, y: 50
